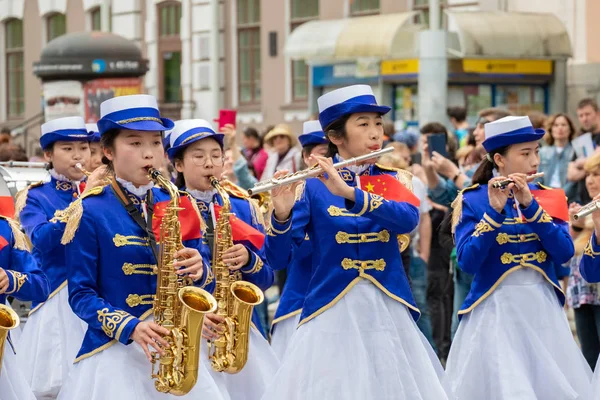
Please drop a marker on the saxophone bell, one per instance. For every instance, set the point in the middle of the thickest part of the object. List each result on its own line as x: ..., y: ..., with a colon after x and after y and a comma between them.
x: 8, y: 320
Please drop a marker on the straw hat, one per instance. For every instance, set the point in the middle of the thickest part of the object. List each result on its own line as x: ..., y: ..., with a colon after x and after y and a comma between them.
x: 282, y: 130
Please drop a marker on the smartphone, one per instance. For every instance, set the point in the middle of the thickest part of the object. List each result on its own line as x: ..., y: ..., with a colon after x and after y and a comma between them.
x: 437, y: 142
x: 226, y: 117
x: 415, y: 158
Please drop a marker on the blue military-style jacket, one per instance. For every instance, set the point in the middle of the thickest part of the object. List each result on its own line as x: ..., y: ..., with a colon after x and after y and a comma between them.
x: 112, y: 277
x: 491, y: 245
x: 350, y: 241
x: 590, y: 261
x: 42, y: 201
x: 257, y: 271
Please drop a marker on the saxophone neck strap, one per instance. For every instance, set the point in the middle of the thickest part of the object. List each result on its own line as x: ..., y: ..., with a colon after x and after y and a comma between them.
x: 137, y: 216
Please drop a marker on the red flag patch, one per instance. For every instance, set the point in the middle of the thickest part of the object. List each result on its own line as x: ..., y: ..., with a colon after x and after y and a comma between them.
x: 242, y: 231
x: 188, y: 218
x: 554, y: 202
x: 389, y: 188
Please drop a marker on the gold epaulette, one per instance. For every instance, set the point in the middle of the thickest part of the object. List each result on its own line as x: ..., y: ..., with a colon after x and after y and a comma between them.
x: 195, y: 206
x: 72, y: 214
x: 21, y: 198
x: 403, y: 176
x: 457, y: 206
x: 234, y: 190
x: 22, y: 242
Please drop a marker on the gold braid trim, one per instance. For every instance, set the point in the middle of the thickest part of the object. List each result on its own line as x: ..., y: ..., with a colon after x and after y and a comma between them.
x: 22, y: 242
x: 73, y: 214
x: 257, y: 215
x: 300, y: 190
x: 21, y: 198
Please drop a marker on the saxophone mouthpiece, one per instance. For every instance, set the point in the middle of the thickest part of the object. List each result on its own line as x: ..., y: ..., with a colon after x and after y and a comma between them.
x: 213, y: 181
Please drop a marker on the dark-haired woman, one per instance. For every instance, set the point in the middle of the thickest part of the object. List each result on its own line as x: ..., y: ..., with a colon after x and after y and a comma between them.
x: 357, y: 337
x: 197, y: 153
x: 254, y: 152
x: 53, y: 333
x: 112, y: 258
x: 514, y: 341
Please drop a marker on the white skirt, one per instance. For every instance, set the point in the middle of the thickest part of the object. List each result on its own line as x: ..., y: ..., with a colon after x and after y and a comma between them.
x: 517, y: 345
x: 124, y: 373
x: 596, y: 382
x: 250, y: 383
x: 367, y: 346
x: 282, y: 334
x: 49, y: 344
x: 13, y: 385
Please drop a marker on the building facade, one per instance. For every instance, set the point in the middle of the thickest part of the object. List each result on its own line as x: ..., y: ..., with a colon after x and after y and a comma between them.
x: 205, y: 55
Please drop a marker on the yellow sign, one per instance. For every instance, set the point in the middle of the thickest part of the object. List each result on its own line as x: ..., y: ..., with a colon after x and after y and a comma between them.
x: 508, y: 67
x: 400, y: 67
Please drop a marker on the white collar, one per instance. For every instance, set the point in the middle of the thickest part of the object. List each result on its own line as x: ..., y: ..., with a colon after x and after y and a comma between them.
x: 203, y: 195
x: 357, y: 169
x: 61, y: 178
x: 138, y: 191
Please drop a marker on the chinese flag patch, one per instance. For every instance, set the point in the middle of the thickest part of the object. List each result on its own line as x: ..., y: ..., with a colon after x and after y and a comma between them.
x: 242, y: 231
x: 388, y: 187
x: 554, y: 202
x: 188, y: 218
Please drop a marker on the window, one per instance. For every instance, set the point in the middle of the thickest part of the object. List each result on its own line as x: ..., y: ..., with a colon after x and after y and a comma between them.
x: 362, y: 7
x: 15, y: 76
x: 170, y: 19
x: 249, y: 51
x: 169, y: 47
x: 423, y: 6
x: 302, y: 11
x: 96, y: 16
x: 57, y: 26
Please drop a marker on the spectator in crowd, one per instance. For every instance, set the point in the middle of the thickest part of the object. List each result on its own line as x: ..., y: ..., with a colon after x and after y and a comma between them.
x: 38, y: 155
x: 5, y: 136
x: 538, y: 119
x: 253, y: 151
x: 285, y: 154
x: 458, y: 119
x: 12, y: 152
x: 236, y: 167
x: 555, y: 157
x: 584, y: 297
x: 388, y: 132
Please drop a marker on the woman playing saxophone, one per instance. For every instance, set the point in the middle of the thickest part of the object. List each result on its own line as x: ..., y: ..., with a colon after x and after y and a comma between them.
x: 235, y: 248
x: 113, y: 259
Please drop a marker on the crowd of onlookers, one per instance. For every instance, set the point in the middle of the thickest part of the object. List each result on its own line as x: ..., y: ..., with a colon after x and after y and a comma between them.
x: 438, y: 284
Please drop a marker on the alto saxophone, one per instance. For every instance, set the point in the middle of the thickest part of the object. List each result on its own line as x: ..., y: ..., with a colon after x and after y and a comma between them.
x: 8, y: 320
x: 178, y: 307
x: 235, y: 299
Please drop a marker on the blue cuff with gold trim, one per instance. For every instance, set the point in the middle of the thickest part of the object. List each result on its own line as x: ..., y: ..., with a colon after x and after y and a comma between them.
x: 592, y: 248
x: 279, y: 228
x: 254, y: 265
x: 15, y: 281
x: 117, y: 324
x: 532, y: 212
x: 360, y: 204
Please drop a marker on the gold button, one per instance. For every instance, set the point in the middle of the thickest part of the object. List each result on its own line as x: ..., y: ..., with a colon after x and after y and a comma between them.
x: 522, y: 262
x: 363, y: 238
x: 75, y: 195
x: 363, y: 264
x: 522, y: 238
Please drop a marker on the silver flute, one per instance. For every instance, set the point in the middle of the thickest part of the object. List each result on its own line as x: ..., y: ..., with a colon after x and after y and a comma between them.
x: 587, y: 209
x: 267, y: 185
x: 504, y: 183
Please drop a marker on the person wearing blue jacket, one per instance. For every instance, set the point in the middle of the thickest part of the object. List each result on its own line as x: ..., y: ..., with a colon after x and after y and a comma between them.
x: 53, y: 333
x: 357, y: 337
x: 196, y: 151
x: 112, y: 258
x: 299, y: 263
x: 514, y: 340
x: 20, y: 277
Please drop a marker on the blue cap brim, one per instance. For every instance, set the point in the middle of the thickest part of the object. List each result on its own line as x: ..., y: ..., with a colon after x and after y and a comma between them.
x: 173, y: 151
x: 333, y: 113
x: 309, y: 139
x: 50, y: 138
x: 105, y: 125
x: 506, y: 139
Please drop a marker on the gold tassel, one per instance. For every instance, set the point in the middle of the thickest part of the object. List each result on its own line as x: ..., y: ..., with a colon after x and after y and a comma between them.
x: 300, y: 190
x: 456, y: 211
x: 72, y: 215
x: 257, y: 215
x: 22, y: 242
x: 21, y: 198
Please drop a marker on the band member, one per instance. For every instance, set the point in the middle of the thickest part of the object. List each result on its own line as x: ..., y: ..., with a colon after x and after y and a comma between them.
x: 95, y: 147
x: 357, y: 336
x: 298, y: 264
x: 20, y: 277
x: 513, y: 329
x: 197, y: 154
x: 53, y: 333
x: 112, y: 257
